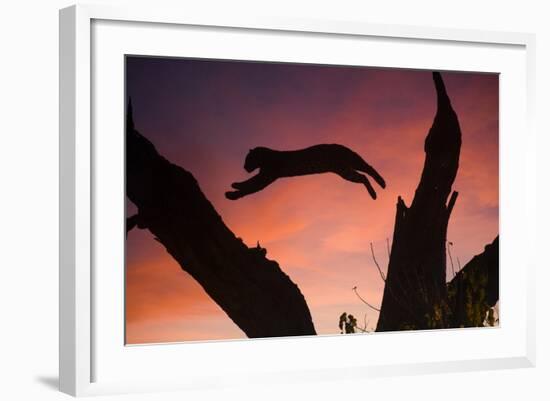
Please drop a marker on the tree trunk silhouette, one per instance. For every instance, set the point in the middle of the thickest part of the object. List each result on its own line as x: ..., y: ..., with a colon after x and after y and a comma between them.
x: 415, y: 293
x: 254, y: 292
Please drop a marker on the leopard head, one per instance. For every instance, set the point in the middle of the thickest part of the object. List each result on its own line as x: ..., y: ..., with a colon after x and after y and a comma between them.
x: 254, y: 159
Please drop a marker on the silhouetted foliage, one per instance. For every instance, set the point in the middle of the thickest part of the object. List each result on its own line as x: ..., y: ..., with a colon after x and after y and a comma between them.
x: 473, y: 292
x: 347, y: 323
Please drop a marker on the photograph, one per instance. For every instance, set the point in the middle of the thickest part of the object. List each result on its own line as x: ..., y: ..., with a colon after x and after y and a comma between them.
x: 275, y: 199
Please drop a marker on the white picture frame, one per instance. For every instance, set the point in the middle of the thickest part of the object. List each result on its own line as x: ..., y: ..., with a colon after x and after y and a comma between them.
x: 87, y: 352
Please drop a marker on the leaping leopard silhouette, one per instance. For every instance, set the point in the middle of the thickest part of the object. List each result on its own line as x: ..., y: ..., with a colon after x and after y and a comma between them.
x: 317, y: 159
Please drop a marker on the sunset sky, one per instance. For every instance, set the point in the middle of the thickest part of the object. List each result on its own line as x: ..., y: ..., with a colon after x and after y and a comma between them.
x: 205, y: 116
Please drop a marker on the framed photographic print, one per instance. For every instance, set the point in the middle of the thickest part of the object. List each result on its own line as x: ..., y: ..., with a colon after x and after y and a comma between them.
x: 278, y: 194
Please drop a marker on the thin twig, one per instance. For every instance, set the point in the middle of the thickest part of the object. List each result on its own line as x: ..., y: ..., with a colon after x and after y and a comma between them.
x: 449, y: 244
x: 376, y: 263
x: 365, y: 302
x: 362, y: 330
x: 382, y: 275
